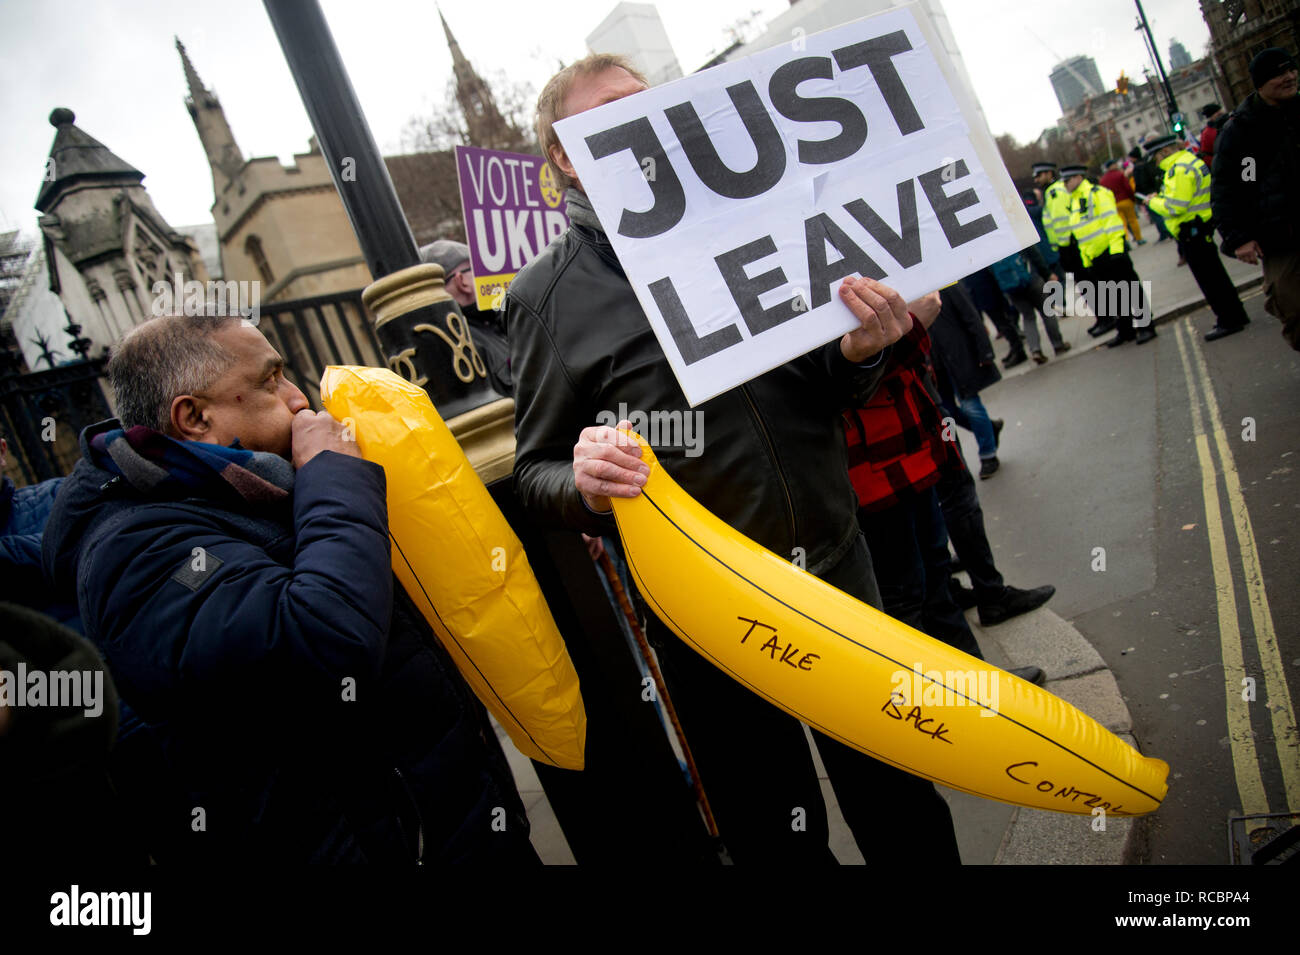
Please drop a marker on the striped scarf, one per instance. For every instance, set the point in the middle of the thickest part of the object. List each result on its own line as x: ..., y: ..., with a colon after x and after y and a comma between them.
x: 161, y: 466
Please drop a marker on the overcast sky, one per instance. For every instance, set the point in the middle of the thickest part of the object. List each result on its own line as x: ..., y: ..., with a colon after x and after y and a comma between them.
x: 114, y: 65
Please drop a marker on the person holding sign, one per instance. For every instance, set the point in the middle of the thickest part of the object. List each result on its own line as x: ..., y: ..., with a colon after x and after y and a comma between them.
x: 773, y: 466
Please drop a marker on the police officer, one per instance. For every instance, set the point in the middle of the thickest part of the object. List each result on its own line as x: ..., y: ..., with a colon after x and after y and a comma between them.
x: 1096, y: 226
x: 1184, y: 201
x: 1056, y: 223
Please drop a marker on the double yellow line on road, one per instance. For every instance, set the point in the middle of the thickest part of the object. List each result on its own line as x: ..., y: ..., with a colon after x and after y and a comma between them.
x: 1276, y: 696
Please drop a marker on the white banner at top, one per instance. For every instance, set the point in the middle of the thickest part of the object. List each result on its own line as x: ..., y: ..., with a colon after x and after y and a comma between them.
x: 738, y: 198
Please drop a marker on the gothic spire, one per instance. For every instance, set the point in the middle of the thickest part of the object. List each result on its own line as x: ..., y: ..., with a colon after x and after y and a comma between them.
x: 456, y: 55
x: 484, y: 124
x: 197, y: 91
x: 224, y: 156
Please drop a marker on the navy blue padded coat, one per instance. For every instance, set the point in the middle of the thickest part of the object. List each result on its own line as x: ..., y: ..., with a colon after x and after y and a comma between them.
x: 290, y: 689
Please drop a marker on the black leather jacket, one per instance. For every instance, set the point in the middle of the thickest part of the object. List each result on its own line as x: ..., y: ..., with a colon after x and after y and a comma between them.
x: 773, y: 462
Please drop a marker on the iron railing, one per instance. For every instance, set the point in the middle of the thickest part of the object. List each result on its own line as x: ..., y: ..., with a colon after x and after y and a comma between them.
x: 310, y: 333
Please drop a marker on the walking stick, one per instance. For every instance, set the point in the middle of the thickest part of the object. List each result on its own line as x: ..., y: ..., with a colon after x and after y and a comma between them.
x: 607, y: 566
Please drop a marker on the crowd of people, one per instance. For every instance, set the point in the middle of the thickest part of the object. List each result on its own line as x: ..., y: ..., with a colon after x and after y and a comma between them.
x: 1236, y: 179
x: 220, y: 552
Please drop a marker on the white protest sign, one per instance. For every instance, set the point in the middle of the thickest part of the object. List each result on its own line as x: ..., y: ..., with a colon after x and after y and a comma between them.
x: 739, y: 197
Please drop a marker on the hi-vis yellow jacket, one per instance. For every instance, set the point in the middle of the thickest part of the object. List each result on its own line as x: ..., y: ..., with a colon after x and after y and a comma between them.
x: 1095, y: 221
x: 1185, y: 191
x: 1056, y: 214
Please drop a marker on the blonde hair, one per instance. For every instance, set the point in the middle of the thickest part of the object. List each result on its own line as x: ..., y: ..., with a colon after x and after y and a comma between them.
x: 550, y: 104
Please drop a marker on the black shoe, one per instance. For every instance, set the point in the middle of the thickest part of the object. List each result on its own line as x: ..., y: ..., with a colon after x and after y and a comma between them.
x: 1120, y: 340
x: 1040, y: 358
x: 1017, y: 357
x: 998, y: 424
x: 1014, y: 602
x: 1032, y: 675
x: 988, y: 466
x: 1061, y: 349
x: 1222, y: 331
x: 1101, y: 328
x: 1145, y: 335
x: 963, y: 597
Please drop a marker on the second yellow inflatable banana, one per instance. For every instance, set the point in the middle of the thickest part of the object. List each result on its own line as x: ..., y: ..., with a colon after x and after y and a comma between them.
x: 860, y: 676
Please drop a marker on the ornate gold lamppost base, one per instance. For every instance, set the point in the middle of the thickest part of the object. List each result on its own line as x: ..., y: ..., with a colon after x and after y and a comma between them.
x: 420, y: 327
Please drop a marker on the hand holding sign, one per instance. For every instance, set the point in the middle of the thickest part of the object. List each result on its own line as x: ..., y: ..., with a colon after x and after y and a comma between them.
x: 883, y: 315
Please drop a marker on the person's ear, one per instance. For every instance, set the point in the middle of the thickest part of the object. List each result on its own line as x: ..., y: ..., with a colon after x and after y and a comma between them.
x: 561, y: 160
x: 189, y: 423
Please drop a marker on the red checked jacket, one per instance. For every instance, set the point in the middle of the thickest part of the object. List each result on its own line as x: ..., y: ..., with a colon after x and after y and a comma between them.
x: 895, y: 440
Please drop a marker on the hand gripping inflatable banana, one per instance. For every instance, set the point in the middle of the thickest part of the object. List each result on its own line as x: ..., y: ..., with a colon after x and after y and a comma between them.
x: 862, y: 677
x: 458, y: 559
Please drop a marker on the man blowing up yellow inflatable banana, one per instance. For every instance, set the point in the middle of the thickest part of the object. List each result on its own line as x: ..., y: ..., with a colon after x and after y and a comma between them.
x: 775, y: 470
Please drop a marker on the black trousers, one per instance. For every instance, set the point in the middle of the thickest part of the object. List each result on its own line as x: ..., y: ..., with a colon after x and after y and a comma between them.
x: 987, y: 297
x: 1196, y: 243
x: 1005, y: 322
x: 909, y: 548
x: 964, y: 519
x: 1117, y: 267
x: 758, y: 771
x: 1070, y: 261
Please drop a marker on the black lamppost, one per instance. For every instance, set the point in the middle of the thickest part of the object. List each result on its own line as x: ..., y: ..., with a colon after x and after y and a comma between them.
x: 418, y: 324
x: 1171, y: 104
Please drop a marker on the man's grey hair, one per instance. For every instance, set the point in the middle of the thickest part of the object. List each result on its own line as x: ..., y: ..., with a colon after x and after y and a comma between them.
x: 164, y: 358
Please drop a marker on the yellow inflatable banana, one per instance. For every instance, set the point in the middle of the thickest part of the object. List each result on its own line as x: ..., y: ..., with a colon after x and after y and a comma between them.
x: 862, y: 677
x: 458, y: 559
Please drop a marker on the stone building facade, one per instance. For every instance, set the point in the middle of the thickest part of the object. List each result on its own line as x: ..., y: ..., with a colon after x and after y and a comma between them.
x: 1141, y: 112
x: 105, y: 245
x: 1241, y: 28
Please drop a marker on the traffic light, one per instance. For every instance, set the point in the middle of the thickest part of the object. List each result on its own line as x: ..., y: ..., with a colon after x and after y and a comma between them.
x: 1121, y: 84
x: 1180, y: 128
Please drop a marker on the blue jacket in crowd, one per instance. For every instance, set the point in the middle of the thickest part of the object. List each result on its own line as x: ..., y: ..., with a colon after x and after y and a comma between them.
x: 23, y: 513
x: 1012, y: 272
x: 297, y: 705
